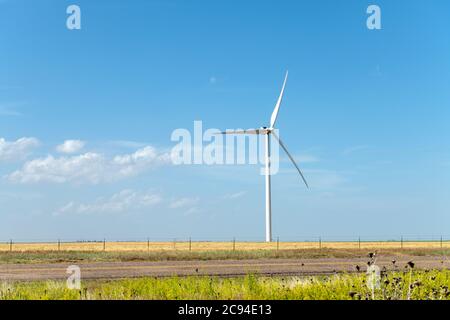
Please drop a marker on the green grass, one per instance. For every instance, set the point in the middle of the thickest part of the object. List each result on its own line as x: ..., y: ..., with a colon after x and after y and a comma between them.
x: 90, y: 256
x: 399, y: 285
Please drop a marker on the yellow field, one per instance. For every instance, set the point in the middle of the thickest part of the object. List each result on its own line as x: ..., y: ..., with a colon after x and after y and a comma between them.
x: 212, y: 246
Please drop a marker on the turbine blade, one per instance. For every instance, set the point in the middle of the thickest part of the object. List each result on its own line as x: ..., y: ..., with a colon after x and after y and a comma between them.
x: 273, y: 119
x: 251, y: 131
x: 290, y: 157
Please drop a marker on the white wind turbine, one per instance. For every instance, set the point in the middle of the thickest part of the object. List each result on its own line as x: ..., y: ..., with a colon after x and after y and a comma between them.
x: 269, y: 131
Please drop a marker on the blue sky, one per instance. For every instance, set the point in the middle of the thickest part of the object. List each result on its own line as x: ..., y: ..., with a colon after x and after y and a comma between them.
x: 366, y: 110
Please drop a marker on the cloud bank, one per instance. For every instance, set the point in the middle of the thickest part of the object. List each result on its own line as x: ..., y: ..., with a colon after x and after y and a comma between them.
x: 123, y: 202
x: 16, y: 150
x: 90, y: 167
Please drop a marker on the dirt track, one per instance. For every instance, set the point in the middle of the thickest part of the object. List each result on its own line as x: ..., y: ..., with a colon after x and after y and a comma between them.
x: 116, y: 270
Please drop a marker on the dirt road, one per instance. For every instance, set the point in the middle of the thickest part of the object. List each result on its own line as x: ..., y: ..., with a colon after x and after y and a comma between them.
x: 116, y: 270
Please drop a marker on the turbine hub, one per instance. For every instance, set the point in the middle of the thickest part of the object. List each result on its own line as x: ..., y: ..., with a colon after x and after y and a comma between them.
x: 266, y: 129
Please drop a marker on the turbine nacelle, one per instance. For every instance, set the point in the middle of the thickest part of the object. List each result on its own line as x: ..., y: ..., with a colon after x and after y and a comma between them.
x: 265, y: 130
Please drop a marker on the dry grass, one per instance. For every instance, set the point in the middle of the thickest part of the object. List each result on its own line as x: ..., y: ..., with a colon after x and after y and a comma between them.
x: 213, y: 246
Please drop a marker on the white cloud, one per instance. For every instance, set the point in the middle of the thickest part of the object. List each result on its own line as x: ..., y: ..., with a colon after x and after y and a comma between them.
x: 127, y: 144
x: 142, y: 160
x: 191, y: 211
x: 324, y: 179
x: 319, y: 179
x: 16, y: 150
x: 300, y: 159
x: 90, y: 167
x: 5, y: 111
x: 125, y: 201
x: 70, y: 146
x: 184, y: 203
x: 9, y: 109
x: 235, y: 195
x: 306, y: 158
x: 353, y: 149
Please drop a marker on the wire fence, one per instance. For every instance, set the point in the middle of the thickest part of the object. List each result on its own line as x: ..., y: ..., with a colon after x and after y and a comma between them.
x: 234, y: 244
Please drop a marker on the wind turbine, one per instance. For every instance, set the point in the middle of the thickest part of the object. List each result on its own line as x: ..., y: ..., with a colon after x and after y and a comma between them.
x: 268, y: 132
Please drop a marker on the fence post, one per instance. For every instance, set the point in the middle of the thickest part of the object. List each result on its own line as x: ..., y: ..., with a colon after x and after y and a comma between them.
x: 59, y: 245
x: 174, y: 244
x: 359, y: 243
x: 320, y: 243
x: 401, y: 242
x: 278, y: 243
x: 234, y: 244
x: 104, y: 244
x: 148, y: 244
x: 190, y: 244
x: 10, y: 245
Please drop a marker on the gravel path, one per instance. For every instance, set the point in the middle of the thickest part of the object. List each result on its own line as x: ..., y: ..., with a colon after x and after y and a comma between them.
x: 117, y: 270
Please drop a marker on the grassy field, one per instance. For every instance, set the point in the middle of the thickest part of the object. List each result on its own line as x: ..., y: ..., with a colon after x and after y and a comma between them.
x: 26, y: 257
x: 213, y: 246
x: 405, y: 285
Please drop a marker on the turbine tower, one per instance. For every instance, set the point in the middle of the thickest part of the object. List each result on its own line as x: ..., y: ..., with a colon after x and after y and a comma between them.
x: 268, y: 132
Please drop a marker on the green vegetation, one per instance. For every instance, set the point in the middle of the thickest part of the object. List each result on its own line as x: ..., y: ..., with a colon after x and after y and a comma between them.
x: 92, y: 256
x: 408, y: 284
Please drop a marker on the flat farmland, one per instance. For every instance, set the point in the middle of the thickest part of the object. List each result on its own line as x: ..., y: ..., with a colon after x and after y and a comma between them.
x: 126, y: 260
x: 215, y: 246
